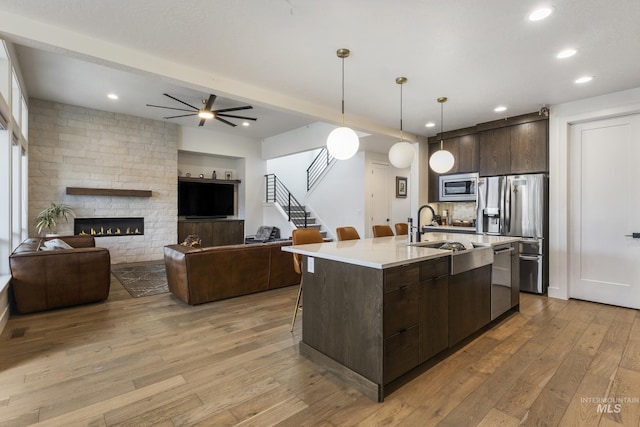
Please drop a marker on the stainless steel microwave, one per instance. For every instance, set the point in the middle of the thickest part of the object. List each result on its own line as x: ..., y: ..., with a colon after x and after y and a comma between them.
x: 458, y: 188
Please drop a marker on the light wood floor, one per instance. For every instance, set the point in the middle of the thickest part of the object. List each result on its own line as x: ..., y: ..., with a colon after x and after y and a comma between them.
x: 157, y: 361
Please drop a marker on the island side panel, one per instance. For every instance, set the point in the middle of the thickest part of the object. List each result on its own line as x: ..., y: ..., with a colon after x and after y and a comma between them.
x: 342, y: 315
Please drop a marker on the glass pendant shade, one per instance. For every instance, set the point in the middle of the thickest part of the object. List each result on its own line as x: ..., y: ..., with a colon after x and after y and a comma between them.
x: 343, y: 143
x: 401, y: 154
x: 441, y: 161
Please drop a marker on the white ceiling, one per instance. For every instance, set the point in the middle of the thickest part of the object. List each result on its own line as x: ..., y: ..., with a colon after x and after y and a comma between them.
x: 280, y: 57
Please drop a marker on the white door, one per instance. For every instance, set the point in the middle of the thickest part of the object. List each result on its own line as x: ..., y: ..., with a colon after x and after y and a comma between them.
x: 604, y: 211
x: 379, y: 200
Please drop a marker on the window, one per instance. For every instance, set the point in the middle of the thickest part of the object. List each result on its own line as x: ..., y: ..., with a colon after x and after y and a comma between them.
x: 16, y: 194
x: 4, y: 87
x: 5, y: 201
x: 16, y: 97
x: 25, y: 118
x: 4, y: 73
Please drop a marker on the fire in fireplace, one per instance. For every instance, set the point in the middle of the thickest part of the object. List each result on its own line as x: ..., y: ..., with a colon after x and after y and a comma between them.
x: 100, y: 227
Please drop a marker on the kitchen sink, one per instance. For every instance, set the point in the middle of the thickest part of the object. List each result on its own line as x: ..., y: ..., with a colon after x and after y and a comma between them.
x: 470, y: 259
x: 464, y: 260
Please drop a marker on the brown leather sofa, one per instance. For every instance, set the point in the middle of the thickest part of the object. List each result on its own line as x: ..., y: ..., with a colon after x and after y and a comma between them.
x: 199, y: 275
x: 44, y: 280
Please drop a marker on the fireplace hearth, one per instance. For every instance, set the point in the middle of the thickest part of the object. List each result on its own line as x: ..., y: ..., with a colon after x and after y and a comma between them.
x: 102, y: 227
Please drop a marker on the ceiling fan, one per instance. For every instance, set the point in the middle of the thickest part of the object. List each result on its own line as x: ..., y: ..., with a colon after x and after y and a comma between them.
x: 206, y: 112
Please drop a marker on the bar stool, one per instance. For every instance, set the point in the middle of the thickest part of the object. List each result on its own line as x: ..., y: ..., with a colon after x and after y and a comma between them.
x: 382, y: 231
x: 402, y: 228
x: 302, y: 236
x: 347, y: 233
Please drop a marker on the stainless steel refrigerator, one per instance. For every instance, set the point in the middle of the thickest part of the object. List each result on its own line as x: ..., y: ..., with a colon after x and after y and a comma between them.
x: 517, y: 205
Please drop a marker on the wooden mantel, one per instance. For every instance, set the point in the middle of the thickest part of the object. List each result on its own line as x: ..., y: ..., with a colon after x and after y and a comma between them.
x: 82, y: 191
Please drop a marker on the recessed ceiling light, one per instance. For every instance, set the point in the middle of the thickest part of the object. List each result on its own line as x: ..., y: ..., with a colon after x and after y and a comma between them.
x: 500, y: 109
x: 540, y: 14
x: 112, y: 96
x: 567, y: 53
x: 430, y: 124
x: 584, y: 79
x: 245, y: 124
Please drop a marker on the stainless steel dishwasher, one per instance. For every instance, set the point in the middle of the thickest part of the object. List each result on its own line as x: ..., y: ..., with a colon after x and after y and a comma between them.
x: 501, y: 282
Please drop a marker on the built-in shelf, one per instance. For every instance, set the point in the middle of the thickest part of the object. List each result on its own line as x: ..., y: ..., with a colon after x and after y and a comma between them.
x: 213, y: 181
x: 81, y: 191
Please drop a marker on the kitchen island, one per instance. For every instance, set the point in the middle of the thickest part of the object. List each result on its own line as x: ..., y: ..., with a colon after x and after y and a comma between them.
x: 376, y: 308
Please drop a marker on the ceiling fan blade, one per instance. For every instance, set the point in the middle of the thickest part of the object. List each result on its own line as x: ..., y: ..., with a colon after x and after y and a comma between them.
x: 210, y: 102
x: 182, y: 115
x: 202, y: 122
x: 224, y: 110
x: 182, y: 102
x: 237, y: 117
x: 225, y: 121
x: 168, y: 108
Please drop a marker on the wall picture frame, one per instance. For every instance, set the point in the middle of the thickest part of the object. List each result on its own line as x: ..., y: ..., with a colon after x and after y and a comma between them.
x: 401, y: 187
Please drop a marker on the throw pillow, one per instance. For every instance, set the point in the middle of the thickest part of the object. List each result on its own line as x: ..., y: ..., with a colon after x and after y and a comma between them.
x: 53, y: 244
x: 264, y: 232
x: 192, y: 240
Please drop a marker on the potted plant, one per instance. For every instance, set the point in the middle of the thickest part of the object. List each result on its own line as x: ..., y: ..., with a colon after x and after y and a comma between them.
x: 48, y: 218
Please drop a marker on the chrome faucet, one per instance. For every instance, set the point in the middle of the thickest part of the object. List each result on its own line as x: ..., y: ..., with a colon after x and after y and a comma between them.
x: 410, y: 229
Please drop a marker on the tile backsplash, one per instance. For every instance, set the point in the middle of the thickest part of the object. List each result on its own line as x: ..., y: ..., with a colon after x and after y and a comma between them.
x: 462, y: 211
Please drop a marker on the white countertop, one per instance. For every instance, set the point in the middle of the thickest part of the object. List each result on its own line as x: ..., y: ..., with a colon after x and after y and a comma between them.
x: 471, y: 237
x: 457, y: 228
x: 385, y: 252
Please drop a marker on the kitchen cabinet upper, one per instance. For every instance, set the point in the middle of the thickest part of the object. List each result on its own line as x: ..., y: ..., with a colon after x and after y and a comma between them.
x: 521, y: 148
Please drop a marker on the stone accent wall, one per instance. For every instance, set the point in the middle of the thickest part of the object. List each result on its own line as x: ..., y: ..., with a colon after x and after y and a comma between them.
x: 71, y: 146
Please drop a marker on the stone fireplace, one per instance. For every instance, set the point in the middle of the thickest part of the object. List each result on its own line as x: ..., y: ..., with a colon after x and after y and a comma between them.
x: 76, y: 147
x: 101, y: 227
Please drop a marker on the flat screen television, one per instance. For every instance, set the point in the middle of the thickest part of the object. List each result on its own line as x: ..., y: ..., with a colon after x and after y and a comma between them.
x: 205, y: 199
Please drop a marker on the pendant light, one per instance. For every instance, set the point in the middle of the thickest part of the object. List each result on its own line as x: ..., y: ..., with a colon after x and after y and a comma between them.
x: 343, y: 142
x: 442, y: 160
x: 401, y: 153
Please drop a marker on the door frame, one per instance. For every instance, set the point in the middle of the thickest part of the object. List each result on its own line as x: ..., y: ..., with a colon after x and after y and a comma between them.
x: 561, y: 118
x: 371, y: 190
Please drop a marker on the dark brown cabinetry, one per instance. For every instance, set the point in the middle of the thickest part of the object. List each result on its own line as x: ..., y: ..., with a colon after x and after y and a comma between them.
x: 465, y: 152
x: 520, y: 148
x: 400, y: 320
x: 434, y: 307
x: 529, y: 147
x: 371, y: 326
x: 503, y: 147
x: 469, y: 302
x: 495, y: 152
x: 213, y: 232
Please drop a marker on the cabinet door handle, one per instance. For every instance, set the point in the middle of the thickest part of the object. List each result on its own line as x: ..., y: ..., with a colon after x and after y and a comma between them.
x: 503, y: 251
x: 403, y: 287
x: 633, y: 235
x: 402, y: 331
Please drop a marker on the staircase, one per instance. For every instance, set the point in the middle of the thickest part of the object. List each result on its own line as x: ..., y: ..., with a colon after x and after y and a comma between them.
x: 277, y: 192
x: 302, y: 219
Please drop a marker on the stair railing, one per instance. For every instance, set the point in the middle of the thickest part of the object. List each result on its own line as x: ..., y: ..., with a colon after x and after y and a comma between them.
x: 277, y: 192
x: 318, y: 166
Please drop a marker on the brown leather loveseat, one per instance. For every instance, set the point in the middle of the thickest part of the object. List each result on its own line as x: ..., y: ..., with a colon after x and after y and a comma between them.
x: 44, y: 280
x: 199, y: 275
